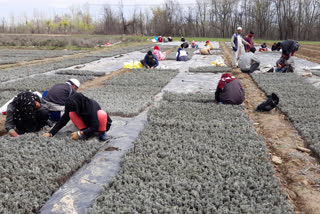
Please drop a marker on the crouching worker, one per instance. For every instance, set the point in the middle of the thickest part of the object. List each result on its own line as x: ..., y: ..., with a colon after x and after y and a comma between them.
x: 150, y: 60
x: 57, y: 96
x: 208, y: 44
x: 249, y: 62
x: 25, y: 114
x: 205, y: 51
x: 160, y: 55
x: 284, y: 65
x: 86, y: 115
x: 229, y: 90
x: 182, y: 54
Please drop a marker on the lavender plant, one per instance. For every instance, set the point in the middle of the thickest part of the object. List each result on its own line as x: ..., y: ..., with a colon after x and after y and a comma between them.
x: 195, y: 157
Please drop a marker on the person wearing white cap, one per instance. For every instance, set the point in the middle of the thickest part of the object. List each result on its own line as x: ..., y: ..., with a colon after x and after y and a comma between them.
x: 237, y: 44
x: 57, y: 96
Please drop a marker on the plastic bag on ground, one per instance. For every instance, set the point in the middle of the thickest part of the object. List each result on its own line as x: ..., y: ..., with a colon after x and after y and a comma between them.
x: 134, y: 64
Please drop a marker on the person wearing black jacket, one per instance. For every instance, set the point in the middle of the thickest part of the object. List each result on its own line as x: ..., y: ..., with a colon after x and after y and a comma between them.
x: 25, y: 114
x: 289, y: 47
x: 87, y: 116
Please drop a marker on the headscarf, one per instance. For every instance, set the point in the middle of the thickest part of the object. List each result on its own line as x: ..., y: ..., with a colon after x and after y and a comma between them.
x: 25, y: 104
x: 207, y: 42
x: 157, y: 48
x: 25, y: 113
x: 225, y: 78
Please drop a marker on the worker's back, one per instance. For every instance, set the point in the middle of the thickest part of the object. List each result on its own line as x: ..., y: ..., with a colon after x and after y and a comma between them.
x: 232, y: 93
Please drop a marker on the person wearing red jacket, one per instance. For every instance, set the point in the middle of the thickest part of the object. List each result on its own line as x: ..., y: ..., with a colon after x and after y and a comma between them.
x: 249, y: 39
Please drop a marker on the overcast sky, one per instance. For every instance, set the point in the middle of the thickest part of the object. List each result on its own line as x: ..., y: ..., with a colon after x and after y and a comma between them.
x: 20, y: 8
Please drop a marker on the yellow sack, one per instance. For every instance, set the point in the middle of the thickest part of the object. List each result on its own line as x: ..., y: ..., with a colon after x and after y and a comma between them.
x: 134, y: 64
x: 218, y: 63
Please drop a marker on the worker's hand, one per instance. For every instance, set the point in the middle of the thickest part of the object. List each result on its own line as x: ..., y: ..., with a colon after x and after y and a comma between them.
x: 148, y: 66
x: 13, y: 133
x: 75, y: 136
x: 47, y: 135
x: 78, y: 135
x: 152, y: 67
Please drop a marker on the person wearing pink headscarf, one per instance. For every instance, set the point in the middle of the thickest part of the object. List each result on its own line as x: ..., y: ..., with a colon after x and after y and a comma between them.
x: 194, y: 44
x: 160, y: 56
x: 229, y: 90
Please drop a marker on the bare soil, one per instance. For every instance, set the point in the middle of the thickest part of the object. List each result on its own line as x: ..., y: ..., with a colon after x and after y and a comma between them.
x: 297, y: 171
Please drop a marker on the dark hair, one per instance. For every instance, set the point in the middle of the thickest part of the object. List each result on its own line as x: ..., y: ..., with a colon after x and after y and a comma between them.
x: 184, y: 45
x: 150, y: 53
x: 253, y: 49
x: 251, y: 32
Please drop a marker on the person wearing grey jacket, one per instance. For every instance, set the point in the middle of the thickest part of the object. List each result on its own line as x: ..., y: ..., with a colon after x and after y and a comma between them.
x: 56, y: 97
x: 249, y: 61
x: 229, y: 90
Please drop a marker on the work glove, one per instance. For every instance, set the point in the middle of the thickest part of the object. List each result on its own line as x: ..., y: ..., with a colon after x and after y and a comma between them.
x: 47, y: 135
x: 234, y: 49
x: 77, y: 135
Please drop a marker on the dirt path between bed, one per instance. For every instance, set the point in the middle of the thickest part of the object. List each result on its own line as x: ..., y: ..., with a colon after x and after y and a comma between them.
x: 297, y: 170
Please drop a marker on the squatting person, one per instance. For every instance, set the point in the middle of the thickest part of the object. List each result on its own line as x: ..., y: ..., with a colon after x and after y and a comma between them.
x: 87, y: 116
x: 56, y: 97
x: 229, y: 90
x: 249, y: 61
x: 150, y: 60
x: 25, y: 114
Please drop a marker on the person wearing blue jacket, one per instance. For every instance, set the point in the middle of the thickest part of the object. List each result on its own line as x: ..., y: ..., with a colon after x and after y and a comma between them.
x: 181, y: 54
x: 150, y: 60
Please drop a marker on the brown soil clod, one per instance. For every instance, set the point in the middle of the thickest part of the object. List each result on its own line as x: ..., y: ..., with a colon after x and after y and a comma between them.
x: 297, y: 171
x: 111, y: 148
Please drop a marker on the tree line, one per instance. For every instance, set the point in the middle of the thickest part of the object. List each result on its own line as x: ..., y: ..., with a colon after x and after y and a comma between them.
x: 268, y: 19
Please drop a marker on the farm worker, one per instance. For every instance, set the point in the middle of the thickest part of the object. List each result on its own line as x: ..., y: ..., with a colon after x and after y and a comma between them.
x: 25, y: 114
x: 209, y: 45
x: 87, y: 116
x: 170, y: 39
x: 237, y: 43
x: 160, y: 56
x: 194, y: 44
x: 183, y: 39
x: 229, y: 90
x: 150, y: 60
x: 56, y: 97
x: 164, y: 39
x: 181, y: 54
x: 249, y: 61
x: 289, y: 47
x: 276, y: 46
x: 159, y: 39
x: 205, y: 51
x: 249, y: 39
x: 263, y: 47
x: 284, y: 65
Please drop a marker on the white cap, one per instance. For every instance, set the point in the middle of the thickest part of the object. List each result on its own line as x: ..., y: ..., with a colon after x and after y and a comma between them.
x: 75, y: 82
x: 239, y: 28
